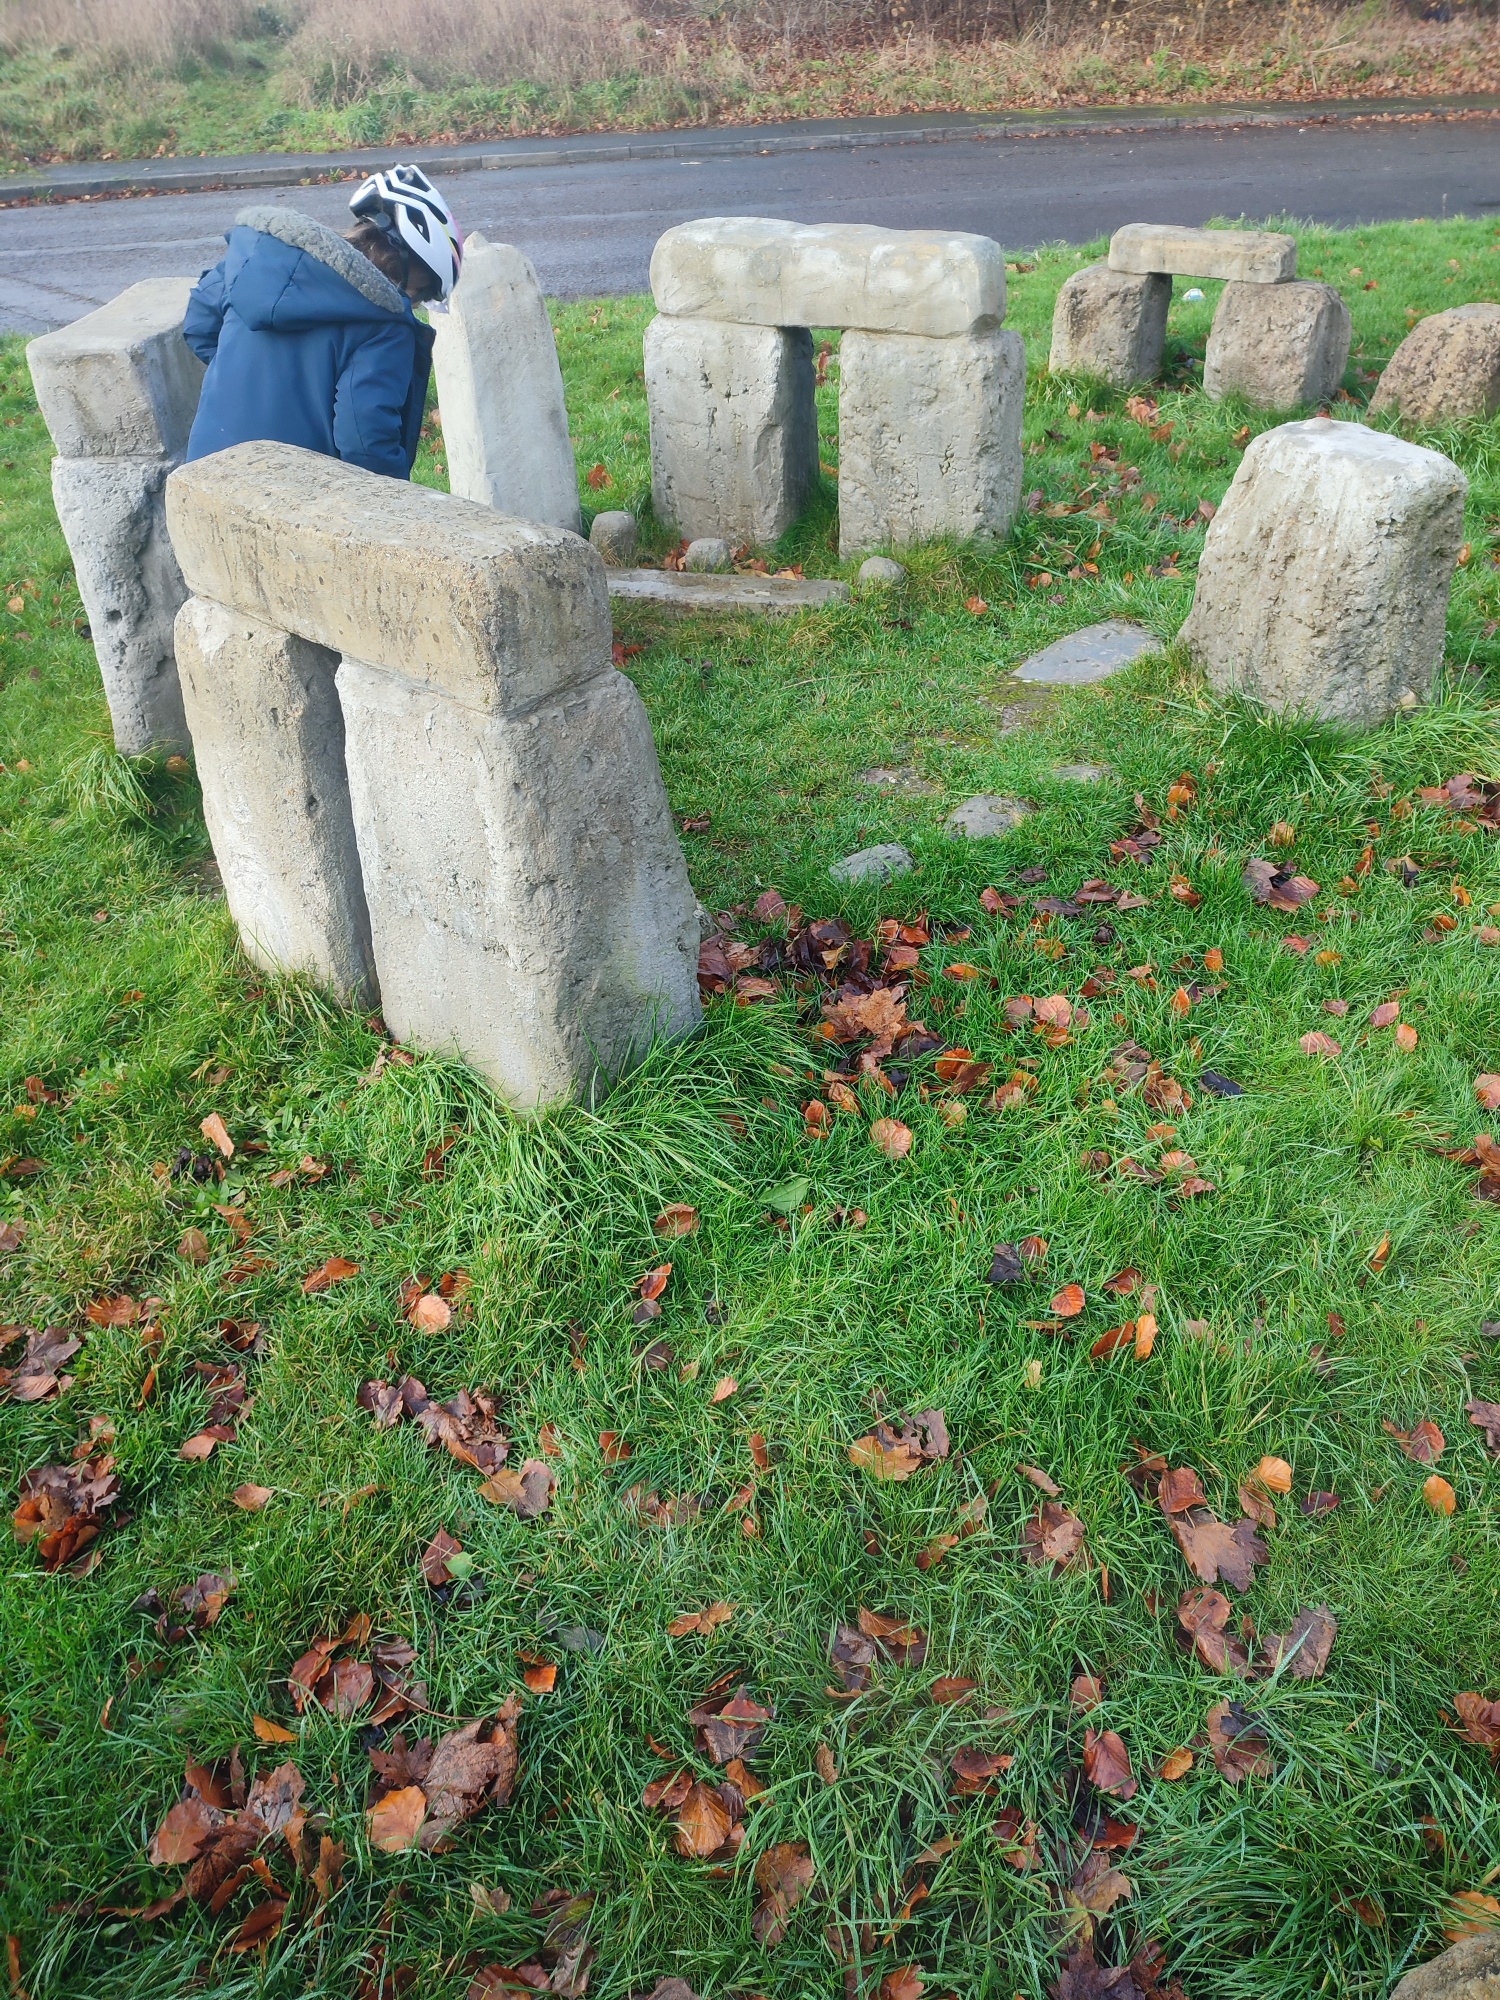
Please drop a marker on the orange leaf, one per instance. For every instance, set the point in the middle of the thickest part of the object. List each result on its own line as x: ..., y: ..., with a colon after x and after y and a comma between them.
x: 1487, y: 1090
x: 598, y: 478
x: 1380, y: 1254
x: 540, y: 1676
x: 961, y: 969
x: 1176, y: 1764
x: 1069, y: 1302
x: 1145, y: 1336
x: 976, y: 606
x: 655, y: 1282
x: 1438, y: 1494
x: 271, y: 1732
x: 1406, y: 1037
x: 613, y: 1447
x: 1316, y: 1043
x: 429, y: 1313
x: 216, y: 1132
x: 891, y: 1137
x: 1275, y: 1474
x: 330, y: 1273
x: 396, y: 1819
x: 724, y: 1388
x: 678, y: 1218
x: 252, y: 1498
x: 952, y: 1688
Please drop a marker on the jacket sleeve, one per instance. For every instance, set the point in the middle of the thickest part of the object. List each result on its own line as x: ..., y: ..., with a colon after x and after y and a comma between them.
x: 370, y: 400
x: 204, y: 318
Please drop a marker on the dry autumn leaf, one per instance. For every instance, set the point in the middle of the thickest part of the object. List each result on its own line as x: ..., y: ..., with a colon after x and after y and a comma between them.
x: 216, y: 1132
x: 1176, y: 1764
x: 678, y: 1218
x: 1487, y: 1090
x: 1069, y: 1302
x: 1424, y: 1444
x: 890, y: 1137
x: 1438, y: 1494
x: 332, y: 1272
x: 1238, y: 1742
x: 252, y: 1498
x: 430, y: 1313
x: 267, y: 1731
x: 1106, y: 1764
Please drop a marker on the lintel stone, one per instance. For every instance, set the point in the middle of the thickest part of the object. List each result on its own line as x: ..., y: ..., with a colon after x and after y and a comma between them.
x: 121, y: 382
x: 496, y: 613
x: 760, y: 272
x: 1253, y: 256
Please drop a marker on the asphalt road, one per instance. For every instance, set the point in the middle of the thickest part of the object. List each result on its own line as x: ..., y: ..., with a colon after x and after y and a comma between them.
x: 589, y: 229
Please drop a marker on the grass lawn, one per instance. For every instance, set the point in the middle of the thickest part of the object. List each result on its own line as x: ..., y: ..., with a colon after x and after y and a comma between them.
x: 1329, y: 1287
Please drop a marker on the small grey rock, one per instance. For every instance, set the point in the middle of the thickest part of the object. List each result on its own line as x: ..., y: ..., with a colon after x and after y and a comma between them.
x: 881, y: 571
x: 1468, y: 1970
x: 986, y: 817
x: 614, y: 535
x: 873, y: 864
x: 1081, y: 774
x: 708, y: 553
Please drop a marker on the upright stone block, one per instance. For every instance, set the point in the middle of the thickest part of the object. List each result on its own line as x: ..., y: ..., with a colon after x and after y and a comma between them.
x: 929, y: 437
x: 1325, y: 574
x: 113, y: 517
x: 268, y: 733
x: 500, y: 390
x: 1111, y: 324
x: 1447, y: 370
x: 734, y: 428
x: 760, y: 272
x: 530, y: 906
x: 1278, y: 345
x: 121, y: 382
x: 1247, y: 256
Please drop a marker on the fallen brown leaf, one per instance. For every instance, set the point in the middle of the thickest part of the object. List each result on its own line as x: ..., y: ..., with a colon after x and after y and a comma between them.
x: 891, y: 1137
x: 1239, y: 1745
x: 678, y: 1218
x: 1106, y: 1764
x: 783, y: 1875
x: 332, y: 1271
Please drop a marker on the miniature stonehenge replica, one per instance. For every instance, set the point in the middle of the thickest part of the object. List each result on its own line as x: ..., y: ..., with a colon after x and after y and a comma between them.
x: 1325, y: 574
x: 500, y: 391
x: 1276, y: 340
x: 1446, y: 370
x: 931, y: 386
x: 422, y: 773
x: 119, y: 391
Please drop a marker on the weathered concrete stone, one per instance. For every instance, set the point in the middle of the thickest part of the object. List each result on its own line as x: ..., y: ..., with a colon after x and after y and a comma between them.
x: 1446, y: 370
x: 679, y: 591
x: 1112, y: 324
x: 113, y: 514
x: 734, y: 431
x: 903, y: 778
x: 500, y: 391
x: 986, y: 817
x: 268, y: 736
x: 1324, y: 579
x: 929, y: 436
x: 497, y: 612
x: 777, y: 274
x: 121, y: 382
x: 1278, y: 345
x: 1081, y: 774
x: 1468, y: 1970
x: 615, y: 535
x: 874, y: 864
x: 1250, y: 256
x: 1090, y: 654
x: 529, y: 903
x: 710, y: 554
x: 881, y: 572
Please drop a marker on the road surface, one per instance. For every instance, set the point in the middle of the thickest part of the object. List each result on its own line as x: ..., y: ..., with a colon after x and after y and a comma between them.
x: 589, y: 229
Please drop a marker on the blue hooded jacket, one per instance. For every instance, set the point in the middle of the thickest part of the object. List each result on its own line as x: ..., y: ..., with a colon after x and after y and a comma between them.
x: 307, y: 343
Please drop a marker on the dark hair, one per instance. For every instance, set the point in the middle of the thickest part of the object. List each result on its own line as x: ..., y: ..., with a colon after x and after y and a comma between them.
x: 393, y: 259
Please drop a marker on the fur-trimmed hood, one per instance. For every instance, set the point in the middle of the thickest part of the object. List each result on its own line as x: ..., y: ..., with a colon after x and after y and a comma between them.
x: 286, y: 271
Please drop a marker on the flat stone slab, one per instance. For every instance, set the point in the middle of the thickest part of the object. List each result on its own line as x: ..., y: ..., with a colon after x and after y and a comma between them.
x: 1253, y: 256
x: 874, y: 864
x: 986, y: 817
x: 706, y: 592
x: 1081, y: 774
x: 898, y: 778
x: 1090, y: 654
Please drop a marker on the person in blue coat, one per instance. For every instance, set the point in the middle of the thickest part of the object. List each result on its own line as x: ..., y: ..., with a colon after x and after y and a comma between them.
x: 311, y: 338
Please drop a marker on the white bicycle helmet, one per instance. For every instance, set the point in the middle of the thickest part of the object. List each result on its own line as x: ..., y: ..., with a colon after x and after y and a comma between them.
x: 405, y: 206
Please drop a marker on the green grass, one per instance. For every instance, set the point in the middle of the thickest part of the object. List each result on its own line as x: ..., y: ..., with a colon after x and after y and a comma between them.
x: 124, y: 990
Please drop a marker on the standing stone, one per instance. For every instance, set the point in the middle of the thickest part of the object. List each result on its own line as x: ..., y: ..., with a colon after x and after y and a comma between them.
x: 529, y: 905
x: 1278, y: 345
x: 1112, y: 324
x: 500, y: 391
x: 929, y: 437
x: 1324, y: 579
x: 112, y: 514
x: 1250, y: 256
x: 614, y: 534
x: 1447, y: 370
x: 734, y: 429
x: 760, y: 272
x: 119, y: 390
x: 268, y: 735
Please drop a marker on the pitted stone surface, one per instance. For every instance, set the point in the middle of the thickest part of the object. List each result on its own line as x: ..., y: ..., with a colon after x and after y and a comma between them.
x: 1468, y: 1970
x: 1088, y: 655
x: 1112, y: 324
x: 761, y: 272
x: 497, y: 612
x: 709, y: 554
x: 1081, y: 774
x: 1446, y: 370
x: 679, y: 591
x: 1278, y: 345
x: 268, y: 738
x: 905, y: 778
x: 734, y: 429
x: 929, y: 437
x: 614, y: 535
x: 121, y: 382
x: 529, y: 903
x: 1253, y: 256
x: 500, y: 391
x: 1325, y: 574
x: 113, y: 515
x: 874, y: 864
x: 986, y: 817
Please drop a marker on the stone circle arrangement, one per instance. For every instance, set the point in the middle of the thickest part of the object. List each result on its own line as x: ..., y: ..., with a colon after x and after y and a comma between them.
x: 426, y: 784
